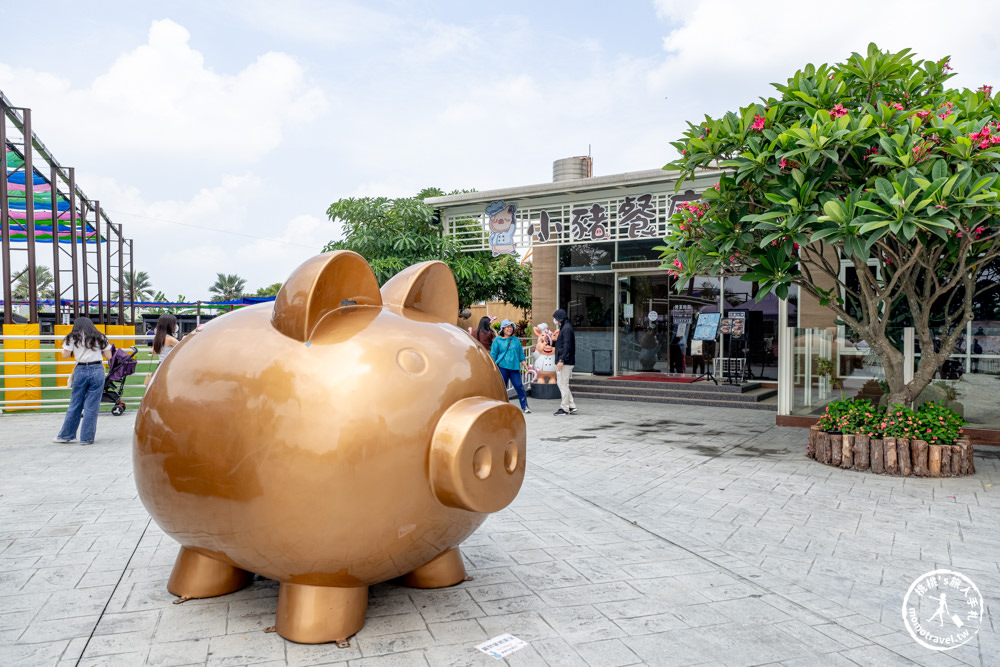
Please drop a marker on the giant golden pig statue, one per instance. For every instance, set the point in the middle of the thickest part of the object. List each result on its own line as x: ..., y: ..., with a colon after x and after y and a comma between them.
x: 337, y: 438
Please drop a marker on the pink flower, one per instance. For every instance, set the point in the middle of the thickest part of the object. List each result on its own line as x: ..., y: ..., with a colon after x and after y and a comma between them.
x: 838, y: 110
x: 783, y: 163
x: 758, y: 123
x: 923, y: 113
x: 987, y: 90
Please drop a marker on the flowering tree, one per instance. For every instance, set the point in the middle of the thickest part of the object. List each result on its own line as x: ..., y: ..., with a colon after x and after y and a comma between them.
x: 872, y: 162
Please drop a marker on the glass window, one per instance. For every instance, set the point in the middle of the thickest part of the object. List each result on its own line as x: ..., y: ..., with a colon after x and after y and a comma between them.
x: 632, y: 251
x: 586, y: 257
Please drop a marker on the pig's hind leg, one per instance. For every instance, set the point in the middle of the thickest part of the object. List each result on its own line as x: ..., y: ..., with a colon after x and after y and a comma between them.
x: 196, y: 575
x: 446, y: 569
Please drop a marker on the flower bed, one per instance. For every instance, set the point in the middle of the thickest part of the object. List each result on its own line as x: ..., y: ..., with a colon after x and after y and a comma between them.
x: 927, y: 442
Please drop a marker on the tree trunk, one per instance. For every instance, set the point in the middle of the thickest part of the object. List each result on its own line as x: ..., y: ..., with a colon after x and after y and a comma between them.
x: 847, y: 452
x: 891, y: 464
x: 823, y: 448
x: 945, y: 460
x: 862, y: 454
x: 836, y: 449
x: 934, y: 460
x: 918, y: 454
x: 956, y: 460
x: 903, y: 454
x: 966, y: 449
x: 878, y: 456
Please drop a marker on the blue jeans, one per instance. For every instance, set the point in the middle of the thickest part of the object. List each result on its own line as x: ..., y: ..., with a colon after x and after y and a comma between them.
x: 84, y: 401
x: 515, y: 379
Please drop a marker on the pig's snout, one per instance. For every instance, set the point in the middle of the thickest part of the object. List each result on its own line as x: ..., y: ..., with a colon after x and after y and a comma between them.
x: 477, y: 455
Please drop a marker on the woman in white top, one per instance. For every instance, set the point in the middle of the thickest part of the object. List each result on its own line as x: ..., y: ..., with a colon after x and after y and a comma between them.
x: 163, y: 338
x: 89, y: 347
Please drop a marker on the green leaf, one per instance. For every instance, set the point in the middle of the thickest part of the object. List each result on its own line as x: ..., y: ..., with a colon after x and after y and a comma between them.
x: 836, y: 211
x: 884, y: 189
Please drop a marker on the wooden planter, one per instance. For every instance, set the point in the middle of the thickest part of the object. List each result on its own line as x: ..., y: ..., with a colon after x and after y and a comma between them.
x: 891, y: 456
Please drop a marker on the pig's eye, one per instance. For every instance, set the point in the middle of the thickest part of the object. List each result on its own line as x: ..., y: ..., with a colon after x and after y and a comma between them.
x: 412, y: 361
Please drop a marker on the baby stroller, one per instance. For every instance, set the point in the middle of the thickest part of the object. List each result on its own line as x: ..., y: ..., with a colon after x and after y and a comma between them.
x: 120, y: 366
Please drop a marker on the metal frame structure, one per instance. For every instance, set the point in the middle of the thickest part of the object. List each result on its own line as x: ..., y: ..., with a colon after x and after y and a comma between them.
x: 76, y: 264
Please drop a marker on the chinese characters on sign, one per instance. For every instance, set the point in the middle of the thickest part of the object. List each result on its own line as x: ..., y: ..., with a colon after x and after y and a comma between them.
x: 636, y: 219
x: 545, y: 228
x: 590, y: 223
x: 639, y: 215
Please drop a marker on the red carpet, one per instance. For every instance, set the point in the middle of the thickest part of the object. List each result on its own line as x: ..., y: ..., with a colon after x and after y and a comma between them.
x: 659, y: 377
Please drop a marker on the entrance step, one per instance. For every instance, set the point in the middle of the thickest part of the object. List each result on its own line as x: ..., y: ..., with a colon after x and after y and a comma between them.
x: 749, y: 395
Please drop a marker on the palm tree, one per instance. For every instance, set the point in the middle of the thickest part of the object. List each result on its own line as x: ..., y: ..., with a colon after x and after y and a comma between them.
x: 136, y: 287
x: 227, y: 287
x: 43, y: 283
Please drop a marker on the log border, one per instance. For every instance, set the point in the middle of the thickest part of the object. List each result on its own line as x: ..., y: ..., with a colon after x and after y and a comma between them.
x: 895, y: 457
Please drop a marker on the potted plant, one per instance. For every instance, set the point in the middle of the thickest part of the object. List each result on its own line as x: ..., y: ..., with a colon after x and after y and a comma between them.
x: 825, y: 367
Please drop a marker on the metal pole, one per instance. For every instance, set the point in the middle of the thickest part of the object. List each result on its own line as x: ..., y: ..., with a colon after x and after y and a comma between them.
x: 121, y: 277
x: 73, y: 250
x: 786, y: 343
x: 132, y: 271
x: 54, y: 204
x: 8, y: 316
x: 107, y: 251
x: 29, y: 210
x: 100, y: 270
x: 84, y: 268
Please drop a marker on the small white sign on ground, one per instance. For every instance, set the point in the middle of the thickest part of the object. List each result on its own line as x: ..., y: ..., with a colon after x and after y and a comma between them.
x: 501, y: 646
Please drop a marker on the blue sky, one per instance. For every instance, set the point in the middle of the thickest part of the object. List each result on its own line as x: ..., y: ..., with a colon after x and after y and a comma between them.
x: 217, y: 133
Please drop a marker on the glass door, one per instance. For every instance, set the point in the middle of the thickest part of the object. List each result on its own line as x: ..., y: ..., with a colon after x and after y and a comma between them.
x: 643, y: 328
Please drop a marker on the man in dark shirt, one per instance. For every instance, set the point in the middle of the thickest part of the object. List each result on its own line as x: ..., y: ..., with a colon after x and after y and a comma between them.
x: 565, y: 360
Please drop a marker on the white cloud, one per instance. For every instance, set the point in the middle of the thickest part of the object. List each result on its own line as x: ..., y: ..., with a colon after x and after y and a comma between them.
x: 161, y: 100
x: 182, y: 245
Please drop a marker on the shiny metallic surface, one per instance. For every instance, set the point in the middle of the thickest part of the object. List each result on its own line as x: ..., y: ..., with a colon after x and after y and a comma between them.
x: 341, y: 437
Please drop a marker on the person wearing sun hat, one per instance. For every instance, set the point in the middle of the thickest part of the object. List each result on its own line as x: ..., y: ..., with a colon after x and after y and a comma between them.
x: 509, y: 357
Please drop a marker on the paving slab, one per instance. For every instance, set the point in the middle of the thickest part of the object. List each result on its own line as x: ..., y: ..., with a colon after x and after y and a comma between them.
x: 645, y: 534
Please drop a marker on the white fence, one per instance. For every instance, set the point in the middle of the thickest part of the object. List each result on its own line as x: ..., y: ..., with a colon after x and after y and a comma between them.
x: 46, y: 387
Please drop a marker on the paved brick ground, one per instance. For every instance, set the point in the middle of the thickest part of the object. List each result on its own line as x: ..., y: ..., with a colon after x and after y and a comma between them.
x: 643, y: 535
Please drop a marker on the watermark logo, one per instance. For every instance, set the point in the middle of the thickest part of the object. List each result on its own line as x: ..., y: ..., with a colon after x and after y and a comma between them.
x: 943, y: 610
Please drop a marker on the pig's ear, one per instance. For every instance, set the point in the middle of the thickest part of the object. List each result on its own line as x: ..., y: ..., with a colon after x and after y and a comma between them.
x: 428, y: 287
x: 324, y: 283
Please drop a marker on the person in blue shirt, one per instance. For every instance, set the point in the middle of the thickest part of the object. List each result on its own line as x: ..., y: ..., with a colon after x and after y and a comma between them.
x: 509, y: 357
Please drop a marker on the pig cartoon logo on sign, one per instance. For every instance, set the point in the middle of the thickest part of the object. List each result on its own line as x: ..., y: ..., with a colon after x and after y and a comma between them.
x: 337, y: 438
x: 502, y: 225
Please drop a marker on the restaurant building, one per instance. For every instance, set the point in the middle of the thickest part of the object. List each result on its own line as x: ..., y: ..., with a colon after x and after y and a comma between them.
x: 592, y: 244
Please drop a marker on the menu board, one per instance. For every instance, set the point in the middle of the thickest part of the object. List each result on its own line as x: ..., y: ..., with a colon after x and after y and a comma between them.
x: 738, y: 324
x: 708, y: 325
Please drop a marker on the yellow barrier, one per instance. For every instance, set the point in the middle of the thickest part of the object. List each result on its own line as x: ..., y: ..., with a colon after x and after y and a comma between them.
x: 63, y: 366
x: 22, y: 366
x: 122, y: 330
